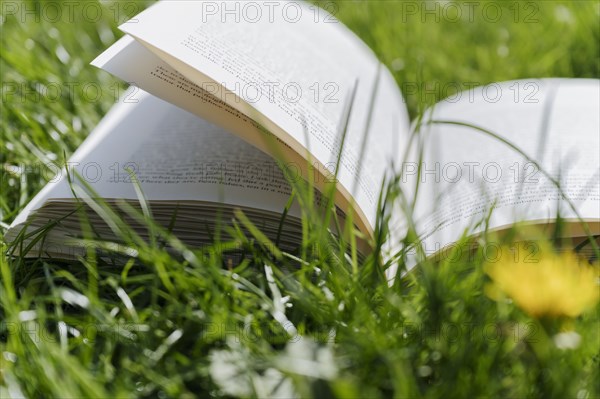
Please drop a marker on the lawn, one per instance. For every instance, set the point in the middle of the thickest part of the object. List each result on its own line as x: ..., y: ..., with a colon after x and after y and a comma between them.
x: 311, y: 324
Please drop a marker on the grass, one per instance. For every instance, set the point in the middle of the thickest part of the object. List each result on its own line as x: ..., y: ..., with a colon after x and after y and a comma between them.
x: 315, y: 323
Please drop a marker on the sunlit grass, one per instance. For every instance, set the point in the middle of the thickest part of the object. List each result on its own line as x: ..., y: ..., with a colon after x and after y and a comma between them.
x: 177, y: 321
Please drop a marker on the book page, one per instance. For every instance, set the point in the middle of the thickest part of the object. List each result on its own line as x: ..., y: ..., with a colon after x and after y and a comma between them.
x: 296, y: 78
x: 175, y: 156
x: 465, y: 173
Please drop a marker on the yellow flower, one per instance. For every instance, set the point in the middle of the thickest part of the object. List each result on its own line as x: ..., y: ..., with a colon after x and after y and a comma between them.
x: 553, y: 285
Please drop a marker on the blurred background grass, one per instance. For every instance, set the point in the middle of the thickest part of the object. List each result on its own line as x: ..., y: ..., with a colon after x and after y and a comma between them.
x: 51, y: 100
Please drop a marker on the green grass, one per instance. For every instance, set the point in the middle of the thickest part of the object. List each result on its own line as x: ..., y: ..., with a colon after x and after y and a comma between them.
x: 192, y: 323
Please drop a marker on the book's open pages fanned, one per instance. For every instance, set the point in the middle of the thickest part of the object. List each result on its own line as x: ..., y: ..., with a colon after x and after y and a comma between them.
x: 307, y: 93
x: 314, y: 86
x: 215, y: 102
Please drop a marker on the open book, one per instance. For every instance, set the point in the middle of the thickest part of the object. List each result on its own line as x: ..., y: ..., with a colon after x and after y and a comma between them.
x: 216, y: 98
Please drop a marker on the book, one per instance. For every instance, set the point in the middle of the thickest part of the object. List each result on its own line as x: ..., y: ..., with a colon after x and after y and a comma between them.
x: 224, y: 111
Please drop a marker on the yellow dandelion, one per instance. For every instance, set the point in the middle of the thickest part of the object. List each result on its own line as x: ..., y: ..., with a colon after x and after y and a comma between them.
x: 554, y: 285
